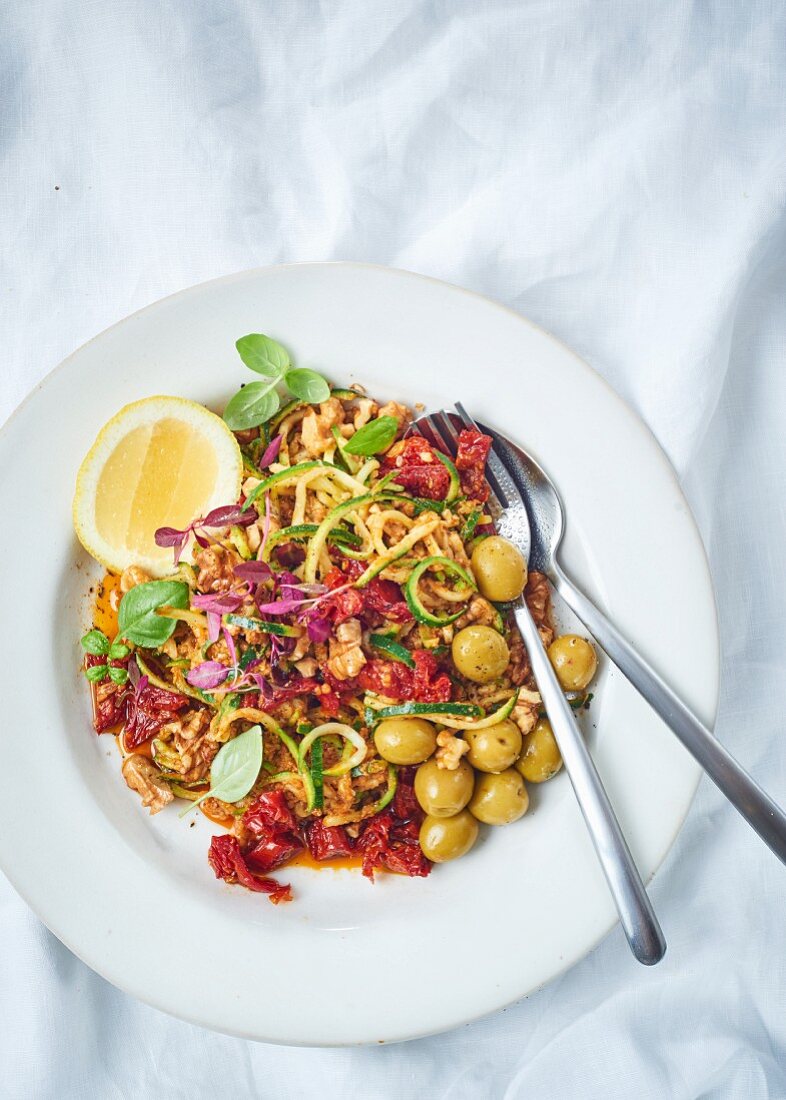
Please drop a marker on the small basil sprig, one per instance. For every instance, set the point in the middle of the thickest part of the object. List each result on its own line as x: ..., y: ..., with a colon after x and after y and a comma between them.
x: 373, y: 437
x: 96, y: 643
x: 234, y: 770
x: 137, y: 618
x: 307, y: 385
x: 256, y: 402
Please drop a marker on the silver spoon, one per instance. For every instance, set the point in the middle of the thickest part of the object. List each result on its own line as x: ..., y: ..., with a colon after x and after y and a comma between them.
x: 633, y: 905
x: 547, y: 521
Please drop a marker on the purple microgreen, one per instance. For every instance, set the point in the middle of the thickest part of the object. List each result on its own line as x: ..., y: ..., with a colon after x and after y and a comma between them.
x: 230, y: 641
x: 221, y: 603
x: 170, y: 536
x: 213, y: 626
x: 318, y: 629
x: 133, y: 673
x: 280, y: 607
x: 253, y: 572
x: 230, y: 515
x: 311, y: 589
x: 271, y: 452
x: 208, y: 675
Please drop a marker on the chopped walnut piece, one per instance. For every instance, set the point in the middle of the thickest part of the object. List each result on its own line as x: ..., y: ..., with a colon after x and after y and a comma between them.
x: 400, y: 412
x: 143, y: 776
x: 450, y: 750
x: 131, y: 577
x: 479, y: 612
x: 346, y: 656
x: 526, y: 711
x: 538, y: 597
x: 215, y: 565
x: 315, y: 427
x: 365, y: 408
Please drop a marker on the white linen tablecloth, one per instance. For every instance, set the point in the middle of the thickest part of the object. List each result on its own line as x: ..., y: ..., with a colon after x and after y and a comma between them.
x: 616, y: 172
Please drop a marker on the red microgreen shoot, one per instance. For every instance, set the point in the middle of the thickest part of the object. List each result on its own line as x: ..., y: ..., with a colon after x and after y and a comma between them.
x: 271, y: 452
x: 228, y: 515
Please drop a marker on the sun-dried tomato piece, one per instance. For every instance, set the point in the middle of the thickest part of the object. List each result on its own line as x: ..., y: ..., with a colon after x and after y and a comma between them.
x: 343, y: 605
x: 405, y: 805
x: 388, y: 678
x: 148, y: 709
x: 298, y: 685
x: 227, y: 861
x: 429, y: 685
x: 387, y: 600
x: 373, y: 842
x: 387, y: 843
x: 109, y: 698
x: 327, y: 841
x: 417, y: 468
x: 406, y: 858
x: 271, y: 832
x: 330, y: 703
x: 471, y: 455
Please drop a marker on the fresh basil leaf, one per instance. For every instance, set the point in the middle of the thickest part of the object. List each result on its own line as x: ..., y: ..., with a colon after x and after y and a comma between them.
x: 307, y: 385
x: 235, y: 768
x: 96, y: 643
x: 137, y: 619
x: 263, y: 355
x: 96, y: 673
x: 251, y: 406
x: 373, y: 437
x: 118, y: 675
x: 117, y: 651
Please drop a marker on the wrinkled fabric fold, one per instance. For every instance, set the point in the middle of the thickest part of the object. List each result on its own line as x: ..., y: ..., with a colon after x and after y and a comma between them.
x: 614, y: 172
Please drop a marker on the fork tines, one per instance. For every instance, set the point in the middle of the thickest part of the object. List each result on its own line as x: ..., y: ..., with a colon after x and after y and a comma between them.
x: 441, y: 431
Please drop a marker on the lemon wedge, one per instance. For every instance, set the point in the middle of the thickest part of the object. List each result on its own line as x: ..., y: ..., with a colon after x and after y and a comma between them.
x: 160, y: 462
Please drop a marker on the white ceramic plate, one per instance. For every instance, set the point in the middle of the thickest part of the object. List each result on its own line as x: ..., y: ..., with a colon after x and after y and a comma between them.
x: 347, y: 962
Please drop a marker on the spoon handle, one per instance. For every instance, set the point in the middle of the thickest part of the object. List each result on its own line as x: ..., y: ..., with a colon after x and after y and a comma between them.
x: 744, y: 793
x: 635, y: 909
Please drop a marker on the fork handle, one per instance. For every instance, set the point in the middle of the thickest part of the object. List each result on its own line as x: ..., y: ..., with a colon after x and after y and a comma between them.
x: 744, y: 793
x: 634, y: 907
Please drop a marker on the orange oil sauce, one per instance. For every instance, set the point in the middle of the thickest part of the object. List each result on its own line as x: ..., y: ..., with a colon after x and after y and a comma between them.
x: 104, y: 615
x: 304, y: 859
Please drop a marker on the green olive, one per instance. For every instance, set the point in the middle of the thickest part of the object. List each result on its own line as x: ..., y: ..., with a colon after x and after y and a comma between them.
x: 480, y: 653
x: 444, y: 838
x: 405, y: 740
x: 499, y: 569
x: 499, y: 799
x: 495, y: 748
x: 574, y: 661
x: 540, y: 758
x: 441, y: 792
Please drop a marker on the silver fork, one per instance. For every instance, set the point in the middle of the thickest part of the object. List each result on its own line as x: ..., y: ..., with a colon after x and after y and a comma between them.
x: 633, y: 905
x: 761, y: 812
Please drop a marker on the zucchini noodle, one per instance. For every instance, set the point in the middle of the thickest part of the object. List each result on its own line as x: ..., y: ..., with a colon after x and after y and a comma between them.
x: 377, y: 521
x: 328, y: 729
x: 425, y: 527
